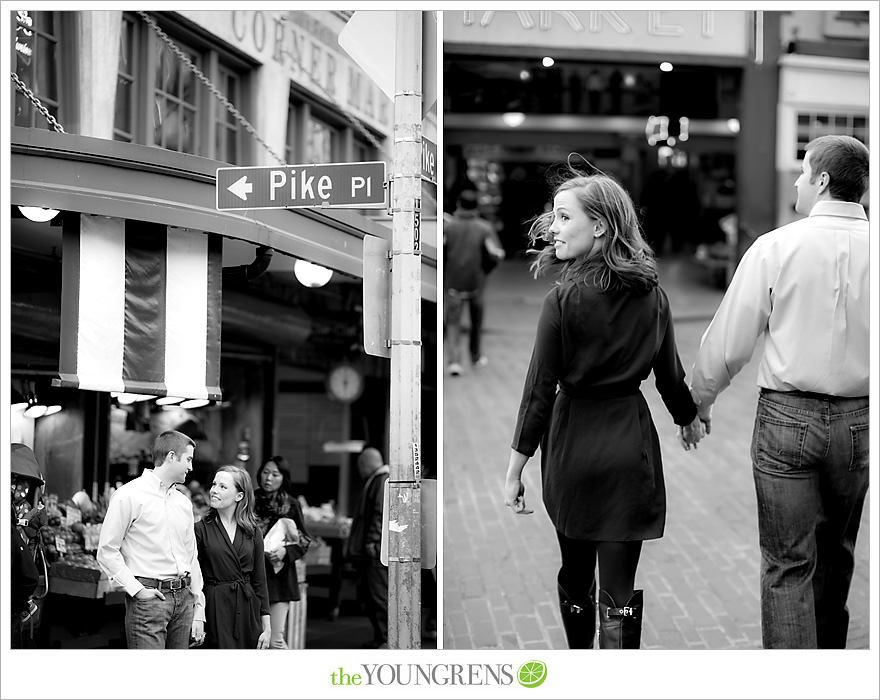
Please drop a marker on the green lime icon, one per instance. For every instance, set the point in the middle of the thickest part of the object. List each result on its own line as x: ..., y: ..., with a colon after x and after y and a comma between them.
x: 531, y: 674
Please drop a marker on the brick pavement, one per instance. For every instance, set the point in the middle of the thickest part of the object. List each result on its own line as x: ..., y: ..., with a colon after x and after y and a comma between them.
x: 700, y: 579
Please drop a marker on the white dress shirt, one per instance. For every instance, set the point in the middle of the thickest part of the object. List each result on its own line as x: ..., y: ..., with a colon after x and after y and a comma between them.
x: 804, y: 288
x: 148, y: 531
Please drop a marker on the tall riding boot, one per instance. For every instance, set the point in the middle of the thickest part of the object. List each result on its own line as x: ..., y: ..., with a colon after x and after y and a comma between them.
x: 620, y: 627
x: 579, y: 621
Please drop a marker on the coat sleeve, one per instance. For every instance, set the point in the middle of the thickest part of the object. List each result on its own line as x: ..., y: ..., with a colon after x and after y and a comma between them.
x: 669, y: 374
x: 539, y: 391
x: 258, y: 575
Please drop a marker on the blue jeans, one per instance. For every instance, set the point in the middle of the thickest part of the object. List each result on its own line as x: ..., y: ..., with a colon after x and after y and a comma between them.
x: 160, y: 624
x: 453, y: 309
x: 810, y: 464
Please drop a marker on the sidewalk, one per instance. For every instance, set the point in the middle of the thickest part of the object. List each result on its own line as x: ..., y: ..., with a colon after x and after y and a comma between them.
x: 700, y: 580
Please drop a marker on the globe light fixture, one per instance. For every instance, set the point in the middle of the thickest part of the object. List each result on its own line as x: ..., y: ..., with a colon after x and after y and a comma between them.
x: 547, y: 61
x: 168, y: 400
x: 38, y: 214
x: 195, y: 403
x: 513, y: 119
x: 311, y: 275
x: 666, y: 67
x: 733, y: 125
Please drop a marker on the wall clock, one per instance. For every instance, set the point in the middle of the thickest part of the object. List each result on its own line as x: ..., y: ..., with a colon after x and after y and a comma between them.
x: 345, y: 383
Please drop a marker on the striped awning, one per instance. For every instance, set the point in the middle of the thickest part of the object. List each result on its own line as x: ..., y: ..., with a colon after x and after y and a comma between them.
x: 140, y: 308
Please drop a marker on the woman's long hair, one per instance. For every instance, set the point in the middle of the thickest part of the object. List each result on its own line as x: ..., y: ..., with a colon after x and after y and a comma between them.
x: 625, y: 261
x: 244, y: 509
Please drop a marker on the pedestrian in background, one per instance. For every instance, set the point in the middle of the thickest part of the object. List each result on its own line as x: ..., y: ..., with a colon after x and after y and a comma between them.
x: 365, y: 541
x: 603, y: 328
x: 148, y: 547
x: 232, y: 559
x: 804, y: 288
x: 273, y: 501
x: 470, y: 245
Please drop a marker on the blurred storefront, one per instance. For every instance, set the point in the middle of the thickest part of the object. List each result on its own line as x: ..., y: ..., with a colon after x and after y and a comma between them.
x: 142, y: 138
x: 673, y: 103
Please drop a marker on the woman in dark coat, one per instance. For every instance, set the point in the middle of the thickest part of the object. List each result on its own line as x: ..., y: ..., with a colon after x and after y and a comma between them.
x: 603, y: 328
x: 274, y: 501
x: 231, y: 558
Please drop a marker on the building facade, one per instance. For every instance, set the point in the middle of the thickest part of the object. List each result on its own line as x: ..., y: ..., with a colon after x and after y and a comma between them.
x: 149, y: 105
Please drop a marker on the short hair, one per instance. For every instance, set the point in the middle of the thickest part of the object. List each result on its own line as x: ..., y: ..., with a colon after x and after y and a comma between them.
x: 170, y: 441
x: 467, y: 199
x: 845, y: 159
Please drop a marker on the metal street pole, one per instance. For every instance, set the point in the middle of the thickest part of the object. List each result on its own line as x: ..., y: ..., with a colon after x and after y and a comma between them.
x: 404, y: 497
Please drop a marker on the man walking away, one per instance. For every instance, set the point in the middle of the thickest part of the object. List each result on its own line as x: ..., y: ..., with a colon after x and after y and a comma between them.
x: 804, y: 289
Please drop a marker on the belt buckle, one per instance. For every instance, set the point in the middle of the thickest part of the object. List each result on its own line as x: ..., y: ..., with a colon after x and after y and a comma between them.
x: 177, y: 587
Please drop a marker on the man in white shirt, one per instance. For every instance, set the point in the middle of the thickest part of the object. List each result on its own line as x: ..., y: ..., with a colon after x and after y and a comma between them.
x: 148, y: 547
x: 803, y: 288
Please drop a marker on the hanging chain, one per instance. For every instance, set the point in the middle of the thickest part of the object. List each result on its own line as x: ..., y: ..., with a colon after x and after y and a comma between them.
x: 355, y: 122
x: 204, y: 79
x: 35, y: 101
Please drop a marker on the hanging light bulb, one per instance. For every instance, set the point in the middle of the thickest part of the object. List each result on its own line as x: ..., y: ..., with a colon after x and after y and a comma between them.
x: 168, y: 400
x: 311, y: 275
x: 195, y: 403
x: 39, y: 214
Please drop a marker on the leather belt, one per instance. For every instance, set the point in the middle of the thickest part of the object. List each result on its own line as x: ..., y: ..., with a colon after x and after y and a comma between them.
x: 166, y: 584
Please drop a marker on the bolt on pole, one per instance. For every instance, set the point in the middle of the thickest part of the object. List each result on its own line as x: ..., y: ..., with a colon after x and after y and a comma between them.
x: 404, y: 496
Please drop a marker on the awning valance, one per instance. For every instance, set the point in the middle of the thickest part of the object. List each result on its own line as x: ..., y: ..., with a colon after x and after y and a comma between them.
x: 140, y: 308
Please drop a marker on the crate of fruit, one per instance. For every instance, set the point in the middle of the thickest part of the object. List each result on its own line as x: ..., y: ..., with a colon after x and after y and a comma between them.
x: 77, y: 567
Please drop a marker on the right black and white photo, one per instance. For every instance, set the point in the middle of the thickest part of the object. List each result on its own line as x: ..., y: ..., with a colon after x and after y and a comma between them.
x: 656, y: 348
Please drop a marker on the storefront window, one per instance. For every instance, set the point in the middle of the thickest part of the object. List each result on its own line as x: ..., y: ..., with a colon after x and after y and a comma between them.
x: 227, y: 134
x: 162, y: 103
x: 320, y: 142
x: 36, y: 63
x: 811, y: 125
x: 123, y: 122
x: 174, y: 119
x: 315, y: 136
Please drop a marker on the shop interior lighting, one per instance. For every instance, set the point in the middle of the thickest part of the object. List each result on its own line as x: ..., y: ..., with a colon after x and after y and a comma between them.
x: 311, y: 275
x: 168, y: 400
x: 513, y: 119
x: 525, y: 75
x: 124, y: 399
x: 195, y: 403
x: 666, y: 67
x: 34, y: 409
x: 671, y: 141
x: 38, y: 214
x: 547, y: 61
x: 733, y: 125
x: 629, y: 80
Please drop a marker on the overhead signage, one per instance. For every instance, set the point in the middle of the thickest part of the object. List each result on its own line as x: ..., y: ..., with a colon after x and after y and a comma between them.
x: 429, y: 160
x: 333, y: 185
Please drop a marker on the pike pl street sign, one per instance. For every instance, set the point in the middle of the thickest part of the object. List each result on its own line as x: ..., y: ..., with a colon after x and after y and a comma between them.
x: 353, y: 185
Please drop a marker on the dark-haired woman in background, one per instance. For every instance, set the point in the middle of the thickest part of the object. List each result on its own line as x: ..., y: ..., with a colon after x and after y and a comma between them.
x: 274, y: 501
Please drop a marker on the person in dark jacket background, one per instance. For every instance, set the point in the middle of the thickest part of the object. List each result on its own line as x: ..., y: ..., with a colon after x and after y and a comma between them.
x: 365, y: 541
x: 603, y: 328
x: 274, y: 501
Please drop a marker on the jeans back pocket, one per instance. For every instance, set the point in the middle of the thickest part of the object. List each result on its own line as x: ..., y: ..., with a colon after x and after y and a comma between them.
x: 779, y: 444
x: 859, y: 447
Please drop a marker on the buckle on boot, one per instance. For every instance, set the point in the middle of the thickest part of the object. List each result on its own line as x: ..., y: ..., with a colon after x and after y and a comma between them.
x: 622, y: 612
x: 574, y: 607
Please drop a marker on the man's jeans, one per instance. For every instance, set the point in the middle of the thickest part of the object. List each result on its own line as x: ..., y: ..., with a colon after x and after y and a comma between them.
x: 160, y: 624
x: 810, y: 463
x: 453, y: 309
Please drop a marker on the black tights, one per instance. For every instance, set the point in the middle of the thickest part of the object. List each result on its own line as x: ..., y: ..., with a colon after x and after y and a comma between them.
x: 617, y: 567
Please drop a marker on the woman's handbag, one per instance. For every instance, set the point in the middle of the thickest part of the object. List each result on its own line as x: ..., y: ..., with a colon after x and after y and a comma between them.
x: 285, y: 533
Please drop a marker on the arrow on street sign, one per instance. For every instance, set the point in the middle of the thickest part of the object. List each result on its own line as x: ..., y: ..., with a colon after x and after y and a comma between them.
x: 241, y: 188
x: 335, y: 185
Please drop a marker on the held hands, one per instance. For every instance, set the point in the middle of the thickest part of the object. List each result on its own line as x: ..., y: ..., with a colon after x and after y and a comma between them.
x: 690, y: 435
x: 266, y: 635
